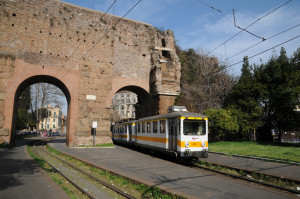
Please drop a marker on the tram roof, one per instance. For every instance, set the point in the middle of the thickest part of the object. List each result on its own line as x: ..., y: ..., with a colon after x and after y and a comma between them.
x: 171, y: 115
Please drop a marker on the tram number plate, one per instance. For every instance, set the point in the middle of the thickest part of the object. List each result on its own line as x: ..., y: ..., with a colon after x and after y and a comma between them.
x: 196, y: 144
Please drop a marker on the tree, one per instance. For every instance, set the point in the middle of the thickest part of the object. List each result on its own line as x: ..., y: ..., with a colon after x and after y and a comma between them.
x: 42, y: 95
x: 244, y: 101
x: 223, y: 125
x: 281, y: 79
x: 203, y: 82
x: 24, y: 118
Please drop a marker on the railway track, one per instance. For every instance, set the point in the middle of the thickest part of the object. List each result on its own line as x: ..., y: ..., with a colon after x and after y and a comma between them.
x: 90, y: 185
x: 245, y: 177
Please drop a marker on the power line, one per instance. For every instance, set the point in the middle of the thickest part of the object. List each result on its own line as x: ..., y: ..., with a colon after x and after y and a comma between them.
x: 264, y: 51
x: 218, y: 10
x: 103, y: 36
x: 249, y: 26
x: 86, y: 36
x: 263, y: 41
x: 245, y: 29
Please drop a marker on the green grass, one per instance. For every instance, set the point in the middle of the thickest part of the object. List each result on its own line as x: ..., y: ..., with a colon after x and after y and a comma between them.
x: 283, y: 151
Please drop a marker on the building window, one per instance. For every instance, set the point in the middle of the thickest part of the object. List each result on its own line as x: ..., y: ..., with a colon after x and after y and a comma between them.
x: 53, y: 120
x: 53, y: 125
x: 54, y: 114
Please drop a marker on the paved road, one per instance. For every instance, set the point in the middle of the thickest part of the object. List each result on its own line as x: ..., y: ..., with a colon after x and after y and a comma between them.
x: 21, y: 177
x: 189, y: 182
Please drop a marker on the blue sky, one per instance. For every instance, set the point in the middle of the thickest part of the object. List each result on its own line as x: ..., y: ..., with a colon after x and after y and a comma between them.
x: 197, y: 25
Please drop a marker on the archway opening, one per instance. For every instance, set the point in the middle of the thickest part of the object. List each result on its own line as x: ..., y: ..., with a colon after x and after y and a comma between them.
x: 132, y: 102
x: 47, y: 116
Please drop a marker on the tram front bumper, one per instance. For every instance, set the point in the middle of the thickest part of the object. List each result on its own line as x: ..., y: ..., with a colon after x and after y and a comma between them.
x: 196, y: 154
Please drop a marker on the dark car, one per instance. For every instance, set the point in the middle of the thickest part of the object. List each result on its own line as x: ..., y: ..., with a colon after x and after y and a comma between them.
x: 55, y: 134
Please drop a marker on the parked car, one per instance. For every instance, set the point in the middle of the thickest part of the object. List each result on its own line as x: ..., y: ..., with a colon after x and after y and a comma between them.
x: 55, y: 134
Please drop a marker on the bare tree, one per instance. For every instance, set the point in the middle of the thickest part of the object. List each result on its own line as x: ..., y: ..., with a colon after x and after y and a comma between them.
x: 204, y: 83
x: 43, y: 94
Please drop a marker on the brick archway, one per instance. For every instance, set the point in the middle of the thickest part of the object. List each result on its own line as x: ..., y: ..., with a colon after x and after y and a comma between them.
x: 27, y: 74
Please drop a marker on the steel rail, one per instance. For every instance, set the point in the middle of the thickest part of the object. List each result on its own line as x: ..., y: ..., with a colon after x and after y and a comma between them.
x: 244, y: 178
x: 120, y: 192
x: 61, y: 173
x: 94, y: 178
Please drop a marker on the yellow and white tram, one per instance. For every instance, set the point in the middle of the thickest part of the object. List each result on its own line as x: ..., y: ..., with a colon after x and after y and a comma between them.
x: 181, y: 133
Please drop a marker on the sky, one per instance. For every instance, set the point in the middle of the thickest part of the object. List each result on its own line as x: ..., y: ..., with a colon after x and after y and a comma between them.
x: 206, y: 25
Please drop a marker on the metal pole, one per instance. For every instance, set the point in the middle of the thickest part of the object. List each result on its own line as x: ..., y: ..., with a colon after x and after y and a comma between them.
x: 94, y: 133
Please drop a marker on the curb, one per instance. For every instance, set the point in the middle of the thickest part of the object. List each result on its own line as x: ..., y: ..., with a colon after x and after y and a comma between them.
x: 257, y: 158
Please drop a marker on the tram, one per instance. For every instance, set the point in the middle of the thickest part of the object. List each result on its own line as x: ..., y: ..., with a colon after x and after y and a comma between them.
x: 178, y: 132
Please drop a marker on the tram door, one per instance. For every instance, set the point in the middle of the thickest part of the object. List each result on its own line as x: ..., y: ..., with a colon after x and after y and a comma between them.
x: 173, y: 135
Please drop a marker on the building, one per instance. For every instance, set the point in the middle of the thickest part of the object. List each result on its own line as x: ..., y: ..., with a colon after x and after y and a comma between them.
x: 53, y: 120
x: 123, y: 104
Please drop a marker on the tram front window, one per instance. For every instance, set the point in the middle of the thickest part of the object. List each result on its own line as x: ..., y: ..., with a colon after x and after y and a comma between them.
x: 194, y: 127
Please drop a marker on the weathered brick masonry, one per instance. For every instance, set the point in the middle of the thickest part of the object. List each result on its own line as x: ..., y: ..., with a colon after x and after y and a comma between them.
x: 38, y: 39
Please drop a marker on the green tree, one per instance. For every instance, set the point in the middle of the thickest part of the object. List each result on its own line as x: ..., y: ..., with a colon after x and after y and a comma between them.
x: 223, y: 125
x: 281, y: 79
x: 244, y: 101
x: 23, y: 117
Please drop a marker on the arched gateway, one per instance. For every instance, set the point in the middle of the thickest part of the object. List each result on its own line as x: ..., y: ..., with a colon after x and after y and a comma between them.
x: 62, y: 44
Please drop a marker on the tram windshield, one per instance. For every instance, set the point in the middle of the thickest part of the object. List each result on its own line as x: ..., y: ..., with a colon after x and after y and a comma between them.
x: 194, y: 127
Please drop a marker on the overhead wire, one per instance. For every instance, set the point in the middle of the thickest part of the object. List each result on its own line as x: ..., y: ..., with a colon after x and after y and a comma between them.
x: 113, y: 26
x: 262, y: 41
x: 218, y: 10
x: 86, y: 36
x: 250, y: 25
x: 264, y: 51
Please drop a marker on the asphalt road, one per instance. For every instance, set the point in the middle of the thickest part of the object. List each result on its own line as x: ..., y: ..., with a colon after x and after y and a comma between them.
x: 189, y: 182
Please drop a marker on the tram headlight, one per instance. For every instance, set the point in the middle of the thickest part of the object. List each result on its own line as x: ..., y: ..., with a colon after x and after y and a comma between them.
x: 203, y: 144
x: 187, y: 144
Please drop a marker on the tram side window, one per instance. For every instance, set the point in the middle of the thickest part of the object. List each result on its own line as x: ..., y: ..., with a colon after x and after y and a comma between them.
x: 148, y: 127
x: 143, y: 127
x: 154, y: 126
x: 137, y: 128
x: 162, y: 126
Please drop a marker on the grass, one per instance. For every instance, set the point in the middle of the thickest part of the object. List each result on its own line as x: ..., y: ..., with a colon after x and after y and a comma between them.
x: 279, y: 151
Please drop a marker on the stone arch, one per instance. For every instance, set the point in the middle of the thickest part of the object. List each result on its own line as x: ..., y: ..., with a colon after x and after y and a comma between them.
x: 137, y: 86
x: 144, y: 102
x: 27, y: 74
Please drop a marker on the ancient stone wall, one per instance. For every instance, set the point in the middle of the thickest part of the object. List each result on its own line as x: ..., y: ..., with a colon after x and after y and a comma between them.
x: 88, y: 55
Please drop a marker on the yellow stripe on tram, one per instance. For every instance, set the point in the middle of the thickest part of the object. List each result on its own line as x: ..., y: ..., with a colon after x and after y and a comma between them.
x: 152, y: 139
